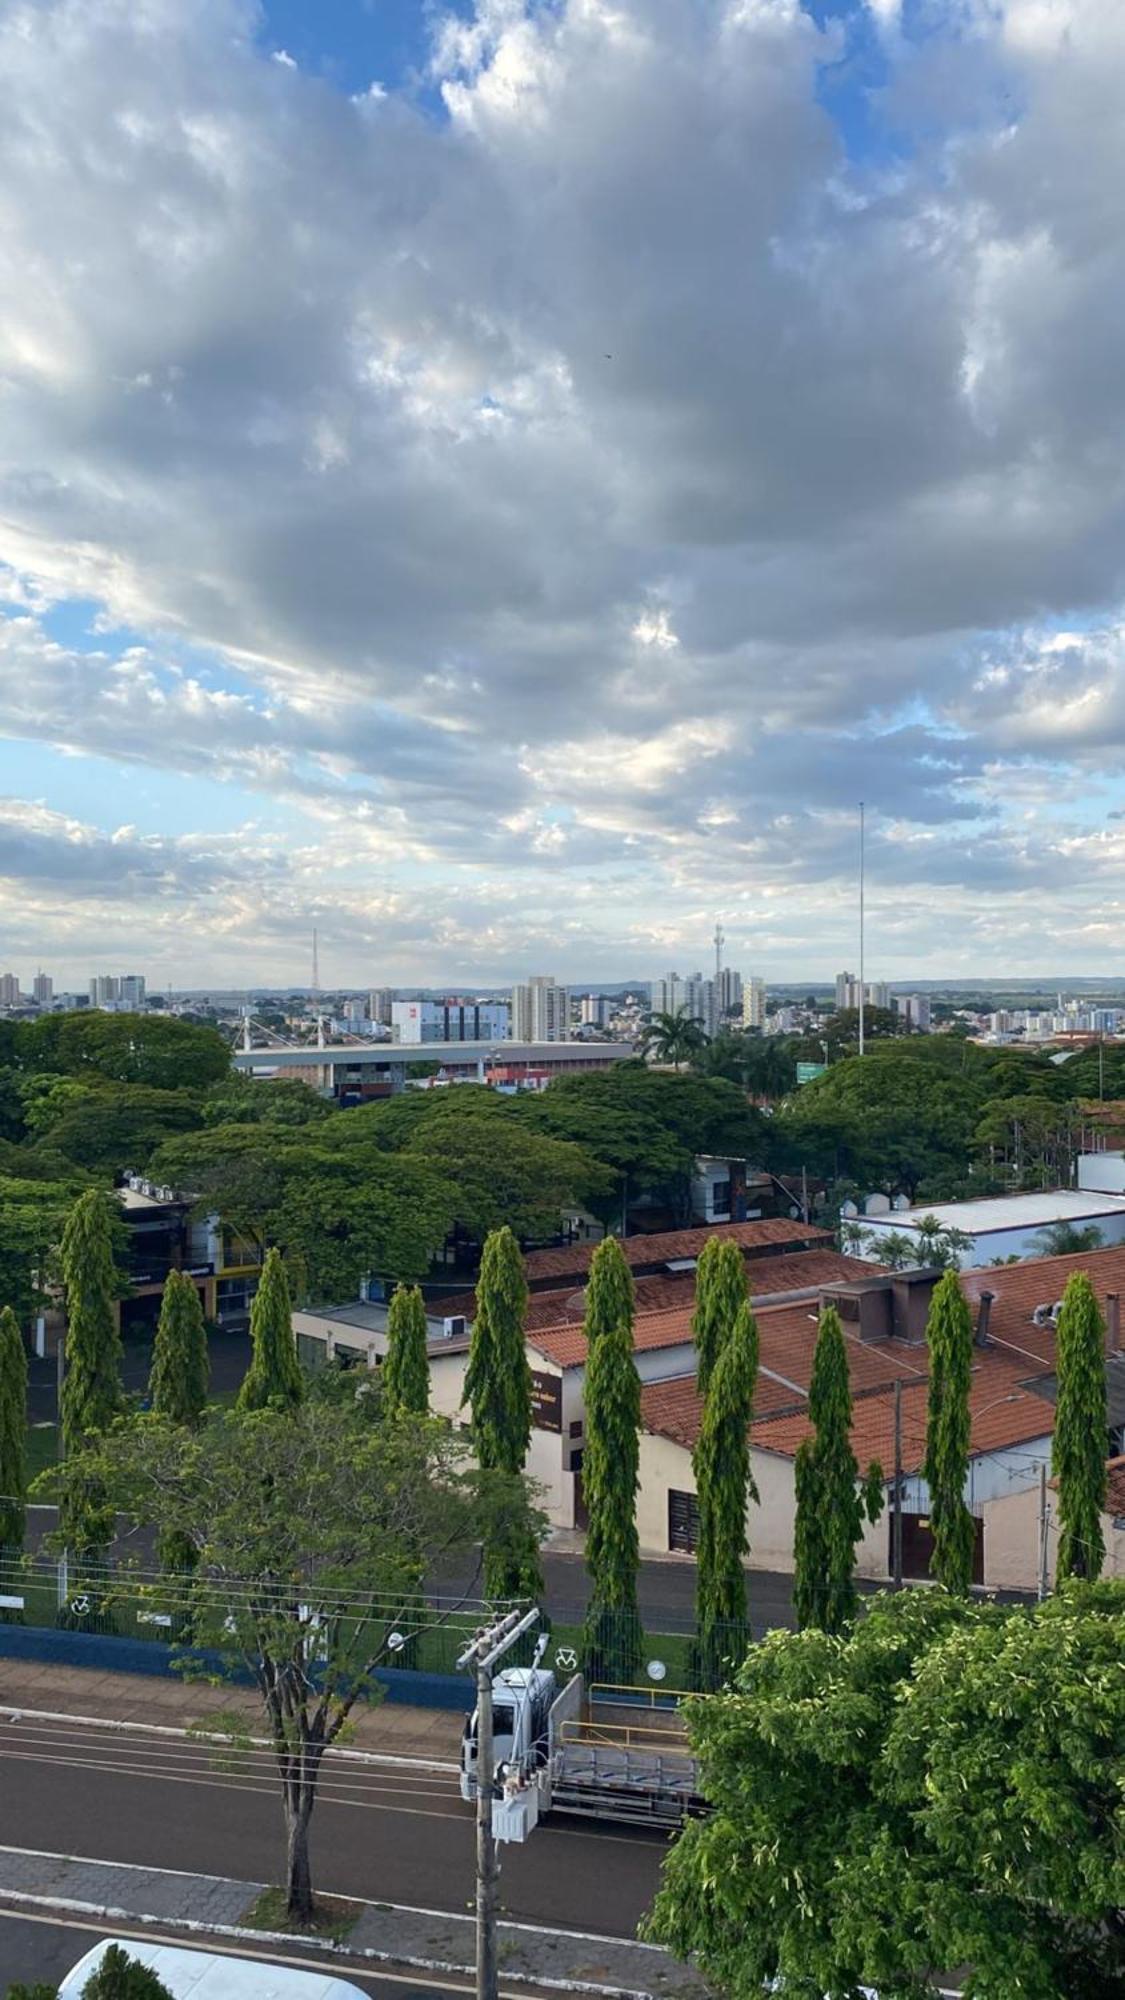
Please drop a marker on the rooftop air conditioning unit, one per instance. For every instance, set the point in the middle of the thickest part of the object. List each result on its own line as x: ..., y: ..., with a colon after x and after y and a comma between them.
x: 454, y: 1326
x: 165, y: 1194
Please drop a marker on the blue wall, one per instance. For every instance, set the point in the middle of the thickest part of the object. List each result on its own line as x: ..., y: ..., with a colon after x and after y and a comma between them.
x: 148, y: 1656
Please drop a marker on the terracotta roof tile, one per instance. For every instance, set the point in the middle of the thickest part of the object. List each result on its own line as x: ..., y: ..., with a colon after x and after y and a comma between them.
x: 674, y: 1409
x: 669, y: 1245
x: 1115, y: 1489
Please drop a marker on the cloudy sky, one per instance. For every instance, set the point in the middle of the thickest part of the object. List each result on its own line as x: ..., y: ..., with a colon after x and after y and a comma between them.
x: 501, y: 485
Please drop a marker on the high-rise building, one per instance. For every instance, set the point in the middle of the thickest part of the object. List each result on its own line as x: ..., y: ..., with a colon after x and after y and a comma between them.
x: 131, y: 991
x: 380, y: 1001
x: 693, y: 997
x: 450, y: 1021
x: 730, y: 992
x: 595, y: 1009
x: 9, y: 989
x: 753, y: 1003
x: 878, y: 994
x: 540, y: 1010
x: 42, y: 989
x: 104, y: 990
x: 914, y: 1009
x: 847, y: 991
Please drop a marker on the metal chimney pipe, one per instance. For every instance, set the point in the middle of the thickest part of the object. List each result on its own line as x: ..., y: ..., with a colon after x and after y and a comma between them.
x: 984, y: 1310
x: 1112, y: 1323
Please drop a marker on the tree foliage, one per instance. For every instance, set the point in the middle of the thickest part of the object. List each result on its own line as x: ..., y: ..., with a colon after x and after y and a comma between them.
x: 274, y: 1377
x: 935, y: 1796
x: 312, y: 1528
x: 673, y: 1037
x: 1079, y: 1448
x: 13, y: 1431
x: 724, y: 1485
x: 181, y: 1365
x: 150, y: 1049
x: 831, y: 1502
x: 406, y: 1368
x: 92, y: 1393
x: 949, y: 1335
x: 720, y: 1294
x: 120, y: 1976
x: 497, y: 1390
x: 610, y: 1462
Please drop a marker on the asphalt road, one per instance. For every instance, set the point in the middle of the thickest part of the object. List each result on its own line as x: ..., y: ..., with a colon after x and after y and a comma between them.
x: 390, y: 1834
x: 34, y: 1948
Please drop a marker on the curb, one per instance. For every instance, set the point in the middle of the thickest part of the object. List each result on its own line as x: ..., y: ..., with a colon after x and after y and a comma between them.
x: 110, y: 1913
x: 14, y: 1714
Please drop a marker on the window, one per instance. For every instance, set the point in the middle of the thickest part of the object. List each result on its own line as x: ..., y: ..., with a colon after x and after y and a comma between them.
x: 720, y: 1197
x: 683, y: 1522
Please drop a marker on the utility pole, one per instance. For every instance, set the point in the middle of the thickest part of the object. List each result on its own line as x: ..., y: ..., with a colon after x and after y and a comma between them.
x: 489, y: 1645
x: 896, y: 1517
x: 862, y: 885
x: 1043, y: 1544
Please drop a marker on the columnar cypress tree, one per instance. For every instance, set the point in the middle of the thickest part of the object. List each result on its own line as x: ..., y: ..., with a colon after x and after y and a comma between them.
x: 13, y: 1432
x: 274, y: 1374
x: 720, y: 1290
x: 92, y: 1395
x: 612, y: 1397
x: 721, y: 1462
x: 949, y: 1333
x: 830, y: 1506
x: 181, y: 1366
x: 406, y: 1369
x: 1080, y: 1446
x: 498, y: 1391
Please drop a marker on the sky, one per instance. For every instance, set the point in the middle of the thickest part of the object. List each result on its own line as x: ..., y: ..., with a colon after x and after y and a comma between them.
x: 499, y: 486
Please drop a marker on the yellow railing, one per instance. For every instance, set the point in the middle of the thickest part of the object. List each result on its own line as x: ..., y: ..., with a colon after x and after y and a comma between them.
x: 612, y: 1736
x: 637, y: 1697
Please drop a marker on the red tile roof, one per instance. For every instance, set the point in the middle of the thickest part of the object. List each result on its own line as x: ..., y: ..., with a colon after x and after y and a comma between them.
x: 670, y: 1245
x: 806, y: 1270
x: 1115, y: 1489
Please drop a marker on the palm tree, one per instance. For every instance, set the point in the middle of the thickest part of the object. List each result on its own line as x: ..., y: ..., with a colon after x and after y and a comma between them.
x: 1067, y: 1239
x: 673, y: 1038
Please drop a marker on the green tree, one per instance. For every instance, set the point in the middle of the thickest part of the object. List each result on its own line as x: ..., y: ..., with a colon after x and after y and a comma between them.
x: 406, y: 1369
x: 13, y: 1432
x: 120, y: 1976
x: 313, y: 1528
x: 498, y: 1392
x: 610, y: 1461
x: 932, y: 1799
x: 274, y: 1376
x: 724, y: 1484
x: 831, y: 1504
x: 1067, y: 1239
x: 949, y: 1334
x: 673, y: 1037
x: 92, y: 1394
x: 720, y: 1294
x: 181, y: 1366
x: 1079, y: 1450
x: 127, y: 1048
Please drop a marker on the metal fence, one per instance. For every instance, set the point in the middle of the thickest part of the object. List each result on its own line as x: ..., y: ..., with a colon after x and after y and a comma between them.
x: 409, y: 1630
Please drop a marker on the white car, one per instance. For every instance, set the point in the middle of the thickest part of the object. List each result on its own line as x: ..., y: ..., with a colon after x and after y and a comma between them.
x: 213, y: 1975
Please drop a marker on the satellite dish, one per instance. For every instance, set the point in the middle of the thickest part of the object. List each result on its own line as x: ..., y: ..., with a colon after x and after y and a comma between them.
x: 656, y: 1670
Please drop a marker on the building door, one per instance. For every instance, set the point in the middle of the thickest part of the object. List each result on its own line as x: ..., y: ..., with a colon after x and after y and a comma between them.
x: 683, y: 1522
x: 581, y: 1511
x: 918, y: 1547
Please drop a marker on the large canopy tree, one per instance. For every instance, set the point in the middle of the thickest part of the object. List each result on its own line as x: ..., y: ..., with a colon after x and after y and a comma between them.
x: 1080, y: 1447
x: 313, y: 1529
x: 949, y: 1336
x: 724, y: 1486
x: 610, y: 1462
x: 92, y: 1392
x: 498, y: 1392
x: 935, y: 1797
x: 831, y: 1501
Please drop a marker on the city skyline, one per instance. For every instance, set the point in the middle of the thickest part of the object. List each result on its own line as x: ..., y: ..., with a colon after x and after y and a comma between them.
x: 448, y: 505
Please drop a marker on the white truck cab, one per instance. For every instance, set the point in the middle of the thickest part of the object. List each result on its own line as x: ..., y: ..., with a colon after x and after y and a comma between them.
x: 521, y: 1709
x: 213, y: 1975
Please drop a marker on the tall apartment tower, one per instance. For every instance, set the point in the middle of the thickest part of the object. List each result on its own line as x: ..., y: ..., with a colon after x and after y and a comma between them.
x: 42, y: 989
x: 730, y: 992
x: 9, y: 989
x: 379, y: 1003
x: 131, y: 991
x: 540, y: 1010
x: 753, y: 1002
x: 104, y: 990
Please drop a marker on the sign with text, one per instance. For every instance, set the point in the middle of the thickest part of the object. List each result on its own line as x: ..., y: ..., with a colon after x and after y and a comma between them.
x: 546, y: 1401
x: 807, y: 1071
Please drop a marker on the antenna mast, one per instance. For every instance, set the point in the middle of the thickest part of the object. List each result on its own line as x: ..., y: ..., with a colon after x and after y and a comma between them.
x: 862, y: 978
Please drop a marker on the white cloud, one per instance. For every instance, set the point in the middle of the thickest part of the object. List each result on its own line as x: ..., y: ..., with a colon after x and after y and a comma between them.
x: 590, y: 495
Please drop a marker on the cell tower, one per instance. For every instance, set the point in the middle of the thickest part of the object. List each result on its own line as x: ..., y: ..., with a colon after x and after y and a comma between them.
x: 720, y: 940
x: 315, y: 965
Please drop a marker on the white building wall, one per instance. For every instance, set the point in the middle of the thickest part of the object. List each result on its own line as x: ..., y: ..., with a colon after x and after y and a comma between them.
x: 986, y: 1247
x: 1102, y: 1173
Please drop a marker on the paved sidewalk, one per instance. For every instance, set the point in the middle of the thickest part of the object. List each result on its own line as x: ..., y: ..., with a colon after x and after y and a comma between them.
x: 390, y: 1727
x: 213, y: 1906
